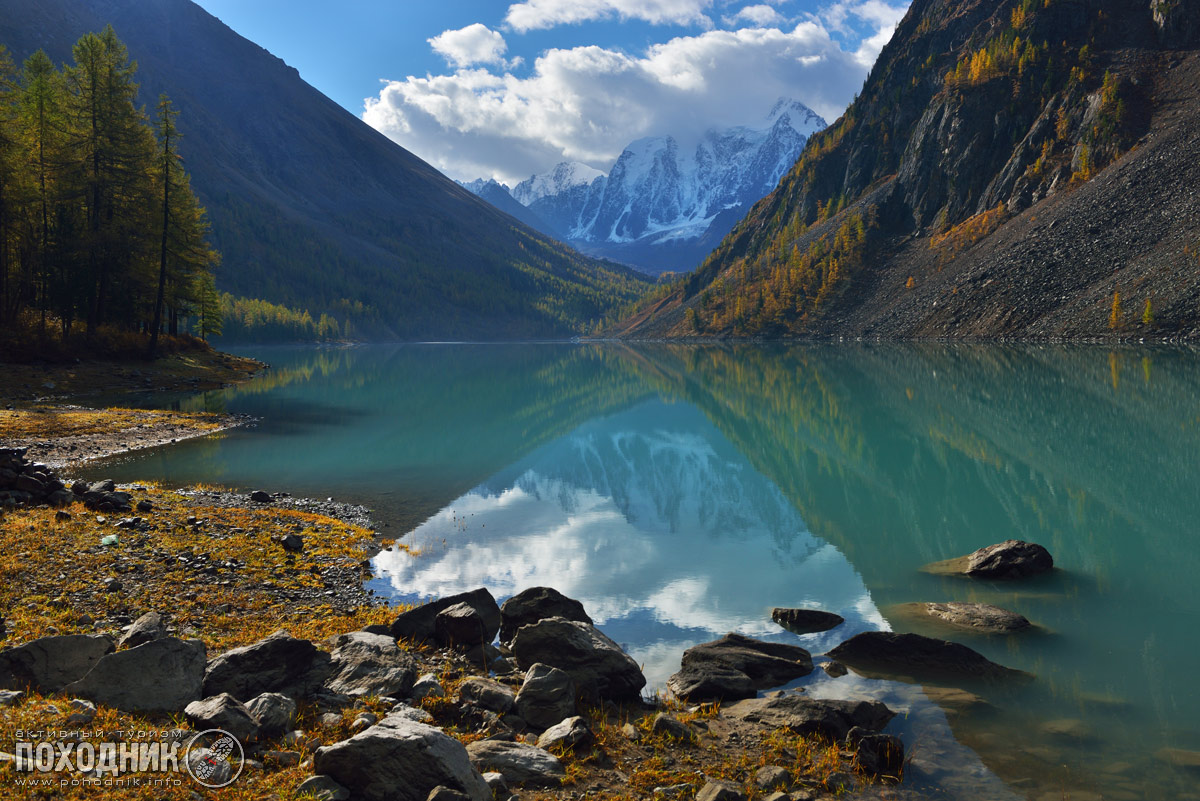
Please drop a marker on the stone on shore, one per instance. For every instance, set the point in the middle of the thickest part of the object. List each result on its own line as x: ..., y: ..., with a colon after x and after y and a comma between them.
x: 518, y: 763
x: 146, y: 628
x: 274, y: 712
x: 919, y: 658
x: 419, y: 624
x: 279, y: 663
x: 163, y: 675
x: 399, y: 759
x: 972, y: 617
x: 370, y: 664
x: 805, y: 621
x: 534, y: 604
x: 323, y: 788
x: 460, y: 626
x: 711, y: 682
x: 832, y: 719
x: 223, y: 712
x: 487, y: 694
x: 546, y: 697
x: 567, y: 734
x: 597, y: 665
x: 48, y: 664
x: 721, y: 790
x: 875, y: 754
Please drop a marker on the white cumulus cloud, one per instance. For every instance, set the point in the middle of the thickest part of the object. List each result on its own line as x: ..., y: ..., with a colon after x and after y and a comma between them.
x: 587, y: 103
x: 474, y: 44
x: 757, y: 15
x: 536, y: 14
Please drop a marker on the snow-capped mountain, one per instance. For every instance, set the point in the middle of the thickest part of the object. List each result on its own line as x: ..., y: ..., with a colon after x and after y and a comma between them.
x: 664, y: 207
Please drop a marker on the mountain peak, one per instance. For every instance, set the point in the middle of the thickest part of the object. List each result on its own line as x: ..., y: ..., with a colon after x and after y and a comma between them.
x: 561, y: 178
x: 803, y: 119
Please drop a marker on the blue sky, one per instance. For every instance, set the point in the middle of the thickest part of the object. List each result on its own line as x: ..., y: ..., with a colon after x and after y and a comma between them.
x: 504, y: 89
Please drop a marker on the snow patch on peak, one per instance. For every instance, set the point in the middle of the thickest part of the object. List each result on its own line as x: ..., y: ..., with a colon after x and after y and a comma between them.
x: 803, y: 120
x: 563, y: 177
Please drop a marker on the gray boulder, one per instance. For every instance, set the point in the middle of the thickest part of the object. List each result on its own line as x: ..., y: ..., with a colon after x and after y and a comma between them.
x: 546, y: 697
x: 598, y: 666
x: 280, y: 663
x: 274, y: 712
x: 370, y: 664
x: 721, y: 790
x: 534, y: 604
x: 805, y: 621
x: 519, y: 763
x: 50, y: 663
x: 323, y: 788
x: 919, y: 658
x: 146, y: 628
x: 566, y: 735
x: 223, y: 712
x: 399, y: 759
x: 460, y: 626
x: 832, y: 719
x: 487, y: 694
x: 163, y: 675
x: 672, y: 727
x: 419, y: 624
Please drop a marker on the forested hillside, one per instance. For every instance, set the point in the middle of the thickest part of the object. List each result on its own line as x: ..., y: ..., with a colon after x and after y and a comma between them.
x: 98, y: 224
x: 1017, y: 168
x: 312, y: 209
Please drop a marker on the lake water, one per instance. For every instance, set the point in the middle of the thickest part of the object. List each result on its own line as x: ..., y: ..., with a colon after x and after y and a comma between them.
x: 680, y: 492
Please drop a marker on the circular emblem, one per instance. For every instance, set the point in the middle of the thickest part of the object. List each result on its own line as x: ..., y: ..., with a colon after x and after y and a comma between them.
x: 217, y: 765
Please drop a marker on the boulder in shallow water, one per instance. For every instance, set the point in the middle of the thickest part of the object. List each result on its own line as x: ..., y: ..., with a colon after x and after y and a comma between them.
x: 767, y: 664
x: 983, y: 618
x: 1011, y: 559
x: 919, y: 658
x: 806, y: 621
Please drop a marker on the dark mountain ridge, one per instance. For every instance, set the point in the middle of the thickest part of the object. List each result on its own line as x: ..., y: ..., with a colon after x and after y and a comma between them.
x: 310, y: 207
x: 1009, y: 170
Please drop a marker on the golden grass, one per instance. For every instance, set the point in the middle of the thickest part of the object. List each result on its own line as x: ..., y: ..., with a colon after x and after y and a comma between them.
x: 44, y: 422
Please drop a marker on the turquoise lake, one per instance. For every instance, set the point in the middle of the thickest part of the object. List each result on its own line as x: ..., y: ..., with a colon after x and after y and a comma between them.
x: 680, y: 492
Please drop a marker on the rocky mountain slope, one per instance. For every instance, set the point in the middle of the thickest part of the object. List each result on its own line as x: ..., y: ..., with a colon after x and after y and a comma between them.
x: 312, y: 208
x: 1010, y: 169
x: 663, y: 206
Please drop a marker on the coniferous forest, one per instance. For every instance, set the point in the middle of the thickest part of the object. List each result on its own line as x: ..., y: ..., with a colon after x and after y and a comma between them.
x: 101, y: 238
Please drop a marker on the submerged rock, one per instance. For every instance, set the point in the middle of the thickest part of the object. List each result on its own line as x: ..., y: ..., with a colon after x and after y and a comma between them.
x: 806, y: 621
x: 919, y: 658
x: 973, y: 617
